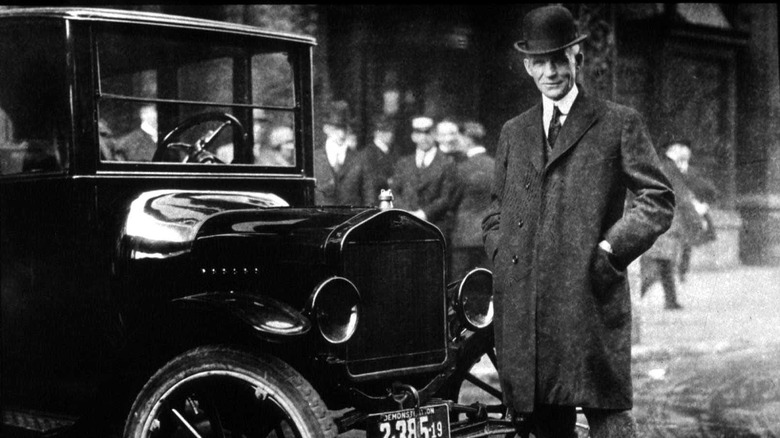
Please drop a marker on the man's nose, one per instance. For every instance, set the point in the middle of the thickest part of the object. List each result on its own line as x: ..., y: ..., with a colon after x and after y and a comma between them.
x: 550, y: 69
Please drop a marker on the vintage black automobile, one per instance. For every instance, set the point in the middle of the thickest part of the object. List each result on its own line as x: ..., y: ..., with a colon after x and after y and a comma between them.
x: 164, y: 270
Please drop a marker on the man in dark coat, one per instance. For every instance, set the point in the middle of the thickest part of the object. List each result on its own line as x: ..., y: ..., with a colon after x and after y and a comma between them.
x: 660, y: 261
x: 380, y: 156
x: 425, y: 183
x: 475, y: 174
x: 342, y: 177
x: 560, y: 241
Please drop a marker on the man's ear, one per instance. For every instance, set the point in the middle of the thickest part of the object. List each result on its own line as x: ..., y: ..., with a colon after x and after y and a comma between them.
x: 527, y: 64
x: 579, y: 59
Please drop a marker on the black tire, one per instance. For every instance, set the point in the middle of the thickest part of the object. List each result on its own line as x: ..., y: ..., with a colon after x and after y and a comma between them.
x: 224, y: 392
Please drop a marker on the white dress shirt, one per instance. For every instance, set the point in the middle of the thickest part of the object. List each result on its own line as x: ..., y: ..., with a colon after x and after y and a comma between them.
x: 564, y: 106
x: 424, y: 159
x: 335, y: 152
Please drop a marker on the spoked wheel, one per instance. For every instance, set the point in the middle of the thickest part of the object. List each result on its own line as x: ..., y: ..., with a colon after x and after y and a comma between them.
x: 222, y: 392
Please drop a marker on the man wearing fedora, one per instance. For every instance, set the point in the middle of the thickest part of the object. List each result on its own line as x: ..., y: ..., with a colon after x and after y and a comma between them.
x: 342, y: 176
x: 561, y: 235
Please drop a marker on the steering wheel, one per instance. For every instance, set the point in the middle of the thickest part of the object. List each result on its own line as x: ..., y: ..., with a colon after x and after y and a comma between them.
x: 197, y: 152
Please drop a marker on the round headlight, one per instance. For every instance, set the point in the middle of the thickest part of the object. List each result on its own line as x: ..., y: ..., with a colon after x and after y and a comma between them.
x: 474, y: 301
x: 334, y: 307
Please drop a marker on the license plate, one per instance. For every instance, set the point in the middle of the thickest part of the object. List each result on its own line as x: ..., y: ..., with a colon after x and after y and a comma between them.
x: 433, y: 422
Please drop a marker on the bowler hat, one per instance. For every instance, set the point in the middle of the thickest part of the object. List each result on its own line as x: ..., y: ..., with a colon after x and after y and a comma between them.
x: 382, y: 123
x: 338, y: 114
x: 548, y: 29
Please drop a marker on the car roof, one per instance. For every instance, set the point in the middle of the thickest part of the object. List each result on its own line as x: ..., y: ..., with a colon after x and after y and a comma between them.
x: 127, y: 16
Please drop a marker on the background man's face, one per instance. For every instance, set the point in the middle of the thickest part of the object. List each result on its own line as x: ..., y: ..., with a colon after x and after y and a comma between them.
x: 384, y: 136
x: 447, y: 136
x: 554, y: 73
x: 681, y: 155
x: 423, y: 140
x: 335, y: 133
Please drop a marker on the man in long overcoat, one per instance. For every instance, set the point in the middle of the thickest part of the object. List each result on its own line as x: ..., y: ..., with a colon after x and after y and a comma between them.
x: 561, y: 241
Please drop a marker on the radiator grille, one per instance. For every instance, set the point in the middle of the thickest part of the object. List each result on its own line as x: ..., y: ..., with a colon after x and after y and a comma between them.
x: 402, y: 314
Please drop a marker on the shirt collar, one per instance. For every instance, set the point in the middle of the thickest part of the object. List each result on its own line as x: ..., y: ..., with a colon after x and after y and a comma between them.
x: 147, y: 128
x: 476, y: 150
x: 336, y: 152
x: 382, y: 146
x: 427, y: 156
x: 564, y: 104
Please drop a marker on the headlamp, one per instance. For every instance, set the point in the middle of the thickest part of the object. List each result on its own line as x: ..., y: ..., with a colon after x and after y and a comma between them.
x: 334, y: 307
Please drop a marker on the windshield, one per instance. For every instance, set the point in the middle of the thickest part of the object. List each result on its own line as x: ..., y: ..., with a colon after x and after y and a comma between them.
x: 164, y: 95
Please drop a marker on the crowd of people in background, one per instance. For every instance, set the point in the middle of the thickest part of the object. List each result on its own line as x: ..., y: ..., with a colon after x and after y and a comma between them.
x: 445, y: 181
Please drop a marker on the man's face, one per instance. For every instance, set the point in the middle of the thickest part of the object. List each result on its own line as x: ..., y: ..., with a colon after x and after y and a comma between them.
x: 336, y: 134
x: 423, y: 140
x: 447, y: 136
x: 554, y: 73
x: 384, y: 136
x: 681, y: 155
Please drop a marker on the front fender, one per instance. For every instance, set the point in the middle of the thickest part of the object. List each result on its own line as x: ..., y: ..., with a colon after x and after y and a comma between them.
x: 265, y: 317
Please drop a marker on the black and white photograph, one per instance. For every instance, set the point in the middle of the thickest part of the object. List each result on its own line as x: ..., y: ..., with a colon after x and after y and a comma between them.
x: 549, y: 220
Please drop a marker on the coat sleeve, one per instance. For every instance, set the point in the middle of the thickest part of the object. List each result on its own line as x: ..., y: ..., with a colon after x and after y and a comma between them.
x: 491, y: 223
x: 652, y: 208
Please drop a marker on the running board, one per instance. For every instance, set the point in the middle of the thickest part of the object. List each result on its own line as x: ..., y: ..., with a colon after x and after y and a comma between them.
x: 36, y: 422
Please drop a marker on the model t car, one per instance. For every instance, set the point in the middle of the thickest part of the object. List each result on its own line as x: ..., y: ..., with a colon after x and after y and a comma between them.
x: 164, y: 270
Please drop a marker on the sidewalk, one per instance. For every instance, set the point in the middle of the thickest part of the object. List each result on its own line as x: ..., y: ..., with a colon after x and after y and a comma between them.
x: 711, y: 369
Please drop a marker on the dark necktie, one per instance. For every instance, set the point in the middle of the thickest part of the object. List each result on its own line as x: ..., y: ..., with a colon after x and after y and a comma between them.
x: 555, y: 127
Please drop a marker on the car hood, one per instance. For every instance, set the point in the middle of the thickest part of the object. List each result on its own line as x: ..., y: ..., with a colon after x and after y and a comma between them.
x: 166, y: 223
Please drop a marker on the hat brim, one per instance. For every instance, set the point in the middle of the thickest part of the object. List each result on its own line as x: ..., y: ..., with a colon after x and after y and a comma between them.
x: 519, y: 46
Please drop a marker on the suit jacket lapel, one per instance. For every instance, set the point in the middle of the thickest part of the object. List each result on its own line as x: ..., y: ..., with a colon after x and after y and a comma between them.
x: 427, y: 174
x: 581, y: 117
x: 532, y: 137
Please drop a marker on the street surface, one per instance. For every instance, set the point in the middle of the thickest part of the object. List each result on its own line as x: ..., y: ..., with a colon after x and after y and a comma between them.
x: 711, y: 369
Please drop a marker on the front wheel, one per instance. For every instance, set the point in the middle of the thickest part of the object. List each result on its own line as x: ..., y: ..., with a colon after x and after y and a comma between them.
x: 223, y: 392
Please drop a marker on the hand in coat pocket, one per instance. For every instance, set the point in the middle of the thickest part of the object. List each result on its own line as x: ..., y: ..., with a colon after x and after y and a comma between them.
x: 608, y: 283
x: 604, y: 274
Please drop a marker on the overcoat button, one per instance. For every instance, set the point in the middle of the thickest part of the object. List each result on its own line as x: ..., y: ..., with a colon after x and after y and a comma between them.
x: 515, y: 259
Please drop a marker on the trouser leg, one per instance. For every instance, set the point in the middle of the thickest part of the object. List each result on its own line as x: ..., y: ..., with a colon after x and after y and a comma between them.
x: 685, y: 261
x: 609, y: 423
x: 648, y: 271
x: 666, y: 268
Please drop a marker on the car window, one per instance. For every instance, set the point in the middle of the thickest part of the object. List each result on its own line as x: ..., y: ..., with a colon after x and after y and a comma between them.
x: 153, y: 84
x: 33, y: 99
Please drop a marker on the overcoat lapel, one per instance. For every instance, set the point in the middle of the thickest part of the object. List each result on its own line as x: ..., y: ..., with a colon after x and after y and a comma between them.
x: 533, y: 138
x: 582, y: 116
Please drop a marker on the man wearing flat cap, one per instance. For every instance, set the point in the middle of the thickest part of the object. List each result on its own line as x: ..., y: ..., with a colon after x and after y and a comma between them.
x: 561, y: 235
x: 425, y: 182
